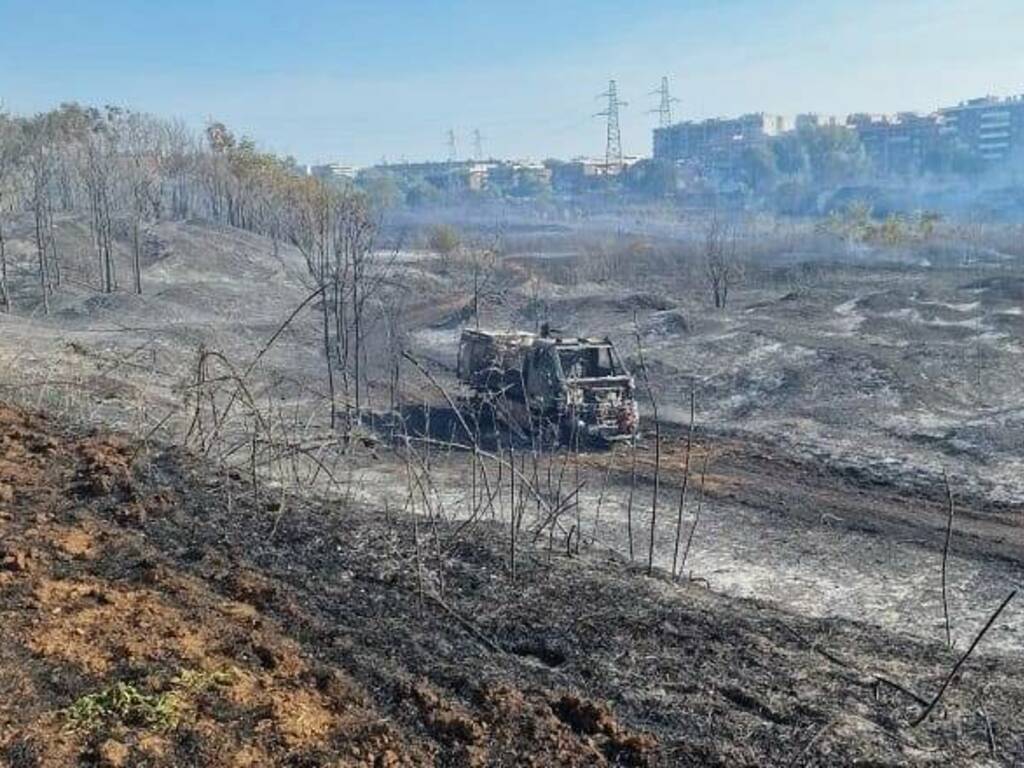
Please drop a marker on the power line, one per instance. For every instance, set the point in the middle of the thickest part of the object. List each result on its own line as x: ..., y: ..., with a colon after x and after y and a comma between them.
x: 664, y: 110
x: 613, y: 147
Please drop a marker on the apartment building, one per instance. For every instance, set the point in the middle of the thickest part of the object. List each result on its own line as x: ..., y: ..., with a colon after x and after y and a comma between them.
x: 989, y: 128
x: 897, y: 144
x: 716, y: 144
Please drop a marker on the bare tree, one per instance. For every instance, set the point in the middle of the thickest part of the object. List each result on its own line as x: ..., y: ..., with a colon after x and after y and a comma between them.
x: 356, y: 231
x: 100, y: 147
x: 474, y: 271
x: 144, y: 151
x: 484, y: 261
x: 181, y: 165
x: 721, y: 265
x: 396, y: 332
x: 10, y: 150
x: 39, y: 160
x: 311, y: 210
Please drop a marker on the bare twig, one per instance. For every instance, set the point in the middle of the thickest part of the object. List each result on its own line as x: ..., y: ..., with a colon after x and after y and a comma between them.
x: 657, y: 443
x: 524, y: 481
x: 467, y: 625
x: 989, y: 732
x: 696, y: 517
x: 629, y: 502
x: 799, y: 758
x: 840, y: 662
x: 956, y: 667
x: 600, y: 502
x: 686, y: 482
x: 419, y: 563
x: 945, y: 557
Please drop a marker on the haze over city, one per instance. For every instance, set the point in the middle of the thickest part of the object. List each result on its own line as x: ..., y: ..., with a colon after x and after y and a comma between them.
x: 355, y: 82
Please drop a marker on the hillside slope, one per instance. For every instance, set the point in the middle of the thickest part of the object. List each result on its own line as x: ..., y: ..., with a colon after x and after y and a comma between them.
x: 156, y: 614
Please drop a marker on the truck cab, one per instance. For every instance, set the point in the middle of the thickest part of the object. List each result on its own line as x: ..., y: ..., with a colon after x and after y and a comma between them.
x: 576, y: 386
x: 581, y: 385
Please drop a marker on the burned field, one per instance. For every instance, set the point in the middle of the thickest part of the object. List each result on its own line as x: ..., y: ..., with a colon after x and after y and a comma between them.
x: 154, y: 616
x: 362, y: 599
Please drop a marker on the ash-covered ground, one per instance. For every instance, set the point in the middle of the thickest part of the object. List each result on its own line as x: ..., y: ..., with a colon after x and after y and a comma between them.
x: 832, y: 392
x: 842, y: 383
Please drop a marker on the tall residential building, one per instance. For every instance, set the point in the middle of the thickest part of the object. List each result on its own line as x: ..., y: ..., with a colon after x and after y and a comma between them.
x: 897, y: 144
x: 983, y: 133
x: 990, y: 128
x: 718, y: 143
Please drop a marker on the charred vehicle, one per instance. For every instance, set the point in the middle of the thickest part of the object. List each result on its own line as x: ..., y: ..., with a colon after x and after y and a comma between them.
x: 574, y: 387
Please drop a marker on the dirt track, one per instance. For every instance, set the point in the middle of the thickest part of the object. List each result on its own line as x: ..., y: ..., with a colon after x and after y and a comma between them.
x: 828, y: 541
x: 814, y: 538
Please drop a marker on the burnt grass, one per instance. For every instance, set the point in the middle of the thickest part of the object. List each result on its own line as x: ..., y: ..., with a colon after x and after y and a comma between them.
x: 364, y: 637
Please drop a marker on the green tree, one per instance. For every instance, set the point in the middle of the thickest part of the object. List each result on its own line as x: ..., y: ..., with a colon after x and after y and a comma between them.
x: 421, y: 192
x: 794, y: 197
x: 380, y: 187
x: 529, y: 186
x: 444, y: 240
x: 835, y: 153
x: 757, y: 168
x: 950, y: 157
x: 791, y: 156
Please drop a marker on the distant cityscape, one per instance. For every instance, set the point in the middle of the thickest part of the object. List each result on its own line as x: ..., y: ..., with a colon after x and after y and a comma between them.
x: 988, y: 130
x: 750, y: 154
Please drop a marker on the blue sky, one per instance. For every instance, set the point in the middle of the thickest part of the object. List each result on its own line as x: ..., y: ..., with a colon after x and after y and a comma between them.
x: 356, y: 81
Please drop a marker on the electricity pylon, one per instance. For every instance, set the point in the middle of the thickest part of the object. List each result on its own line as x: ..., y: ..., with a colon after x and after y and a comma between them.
x: 478, y: 146
x: 453, y: 149
x: 613, y: 148
x: 664, y: 110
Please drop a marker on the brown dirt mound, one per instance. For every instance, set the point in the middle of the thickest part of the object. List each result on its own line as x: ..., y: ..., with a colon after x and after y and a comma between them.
x: 87, y: 610
x: 115, y: 657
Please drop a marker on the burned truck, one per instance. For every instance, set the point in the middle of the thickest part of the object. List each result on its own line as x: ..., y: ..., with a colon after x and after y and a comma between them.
x: 568, y: 388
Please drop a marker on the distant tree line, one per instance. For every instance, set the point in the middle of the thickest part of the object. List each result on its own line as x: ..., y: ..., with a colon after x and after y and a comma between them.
x: 124, y: 171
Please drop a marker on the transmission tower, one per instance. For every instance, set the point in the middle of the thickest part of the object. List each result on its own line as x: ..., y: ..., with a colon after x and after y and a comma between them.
x: 664, y: 110
x: 613, y: 149
x: 478, y: 146
x: 453, y: 147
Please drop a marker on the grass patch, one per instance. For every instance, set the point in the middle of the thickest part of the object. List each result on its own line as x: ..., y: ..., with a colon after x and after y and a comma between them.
x: 123, y: 702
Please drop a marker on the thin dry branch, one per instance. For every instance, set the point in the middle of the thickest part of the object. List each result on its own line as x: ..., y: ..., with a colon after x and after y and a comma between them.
x: 686, y: 482
x: 945, y: 557
x: 657, y: 443
x: 960, y: 662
